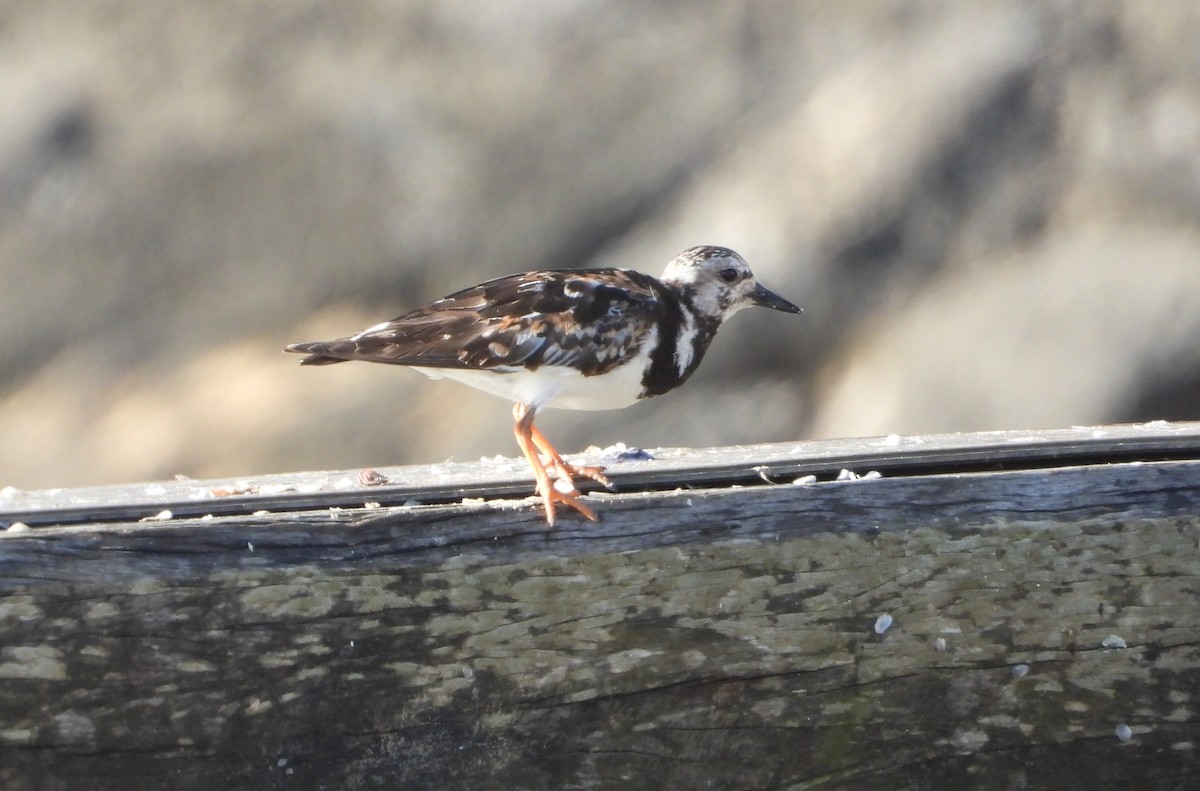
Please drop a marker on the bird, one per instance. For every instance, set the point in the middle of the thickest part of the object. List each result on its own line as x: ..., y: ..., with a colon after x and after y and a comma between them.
x: 583, y: 339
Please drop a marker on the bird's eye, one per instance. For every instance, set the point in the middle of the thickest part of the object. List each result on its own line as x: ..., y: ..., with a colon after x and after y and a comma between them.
x: 729, y: 275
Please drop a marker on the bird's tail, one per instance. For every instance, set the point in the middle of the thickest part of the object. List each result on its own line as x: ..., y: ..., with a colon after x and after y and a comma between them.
x: 313, y: 350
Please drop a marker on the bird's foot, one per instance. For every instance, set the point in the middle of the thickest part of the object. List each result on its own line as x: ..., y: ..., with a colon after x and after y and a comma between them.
x: 562, y: 491
x: 565, y: 471
x: 548, y: 464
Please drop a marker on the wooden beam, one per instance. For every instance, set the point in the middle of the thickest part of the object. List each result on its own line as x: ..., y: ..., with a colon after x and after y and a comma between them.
x: 671, y: 468
x: 1035, y: 625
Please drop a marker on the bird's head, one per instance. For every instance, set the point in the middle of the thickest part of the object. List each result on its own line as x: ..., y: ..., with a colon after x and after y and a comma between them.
x: 720, y: 283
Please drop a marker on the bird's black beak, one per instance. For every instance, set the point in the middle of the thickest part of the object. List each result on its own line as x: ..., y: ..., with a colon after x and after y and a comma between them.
x: 769, y: 299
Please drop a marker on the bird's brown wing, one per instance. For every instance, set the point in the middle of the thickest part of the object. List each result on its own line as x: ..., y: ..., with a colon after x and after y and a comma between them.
x: 591, y: 319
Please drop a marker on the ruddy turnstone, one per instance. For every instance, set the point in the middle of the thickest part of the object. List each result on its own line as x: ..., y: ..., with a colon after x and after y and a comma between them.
x: 569, y: 338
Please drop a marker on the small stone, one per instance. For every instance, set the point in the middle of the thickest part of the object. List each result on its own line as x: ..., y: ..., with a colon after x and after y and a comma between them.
x: 17, y: 527
x: 939, y: 644
x: 1124, y: 732
x: 621, y: 452
x: 1020, y: 671
x: 369, y: 477
x: 805, y: 480
x: 1113, y: 641
x: 883, y: 623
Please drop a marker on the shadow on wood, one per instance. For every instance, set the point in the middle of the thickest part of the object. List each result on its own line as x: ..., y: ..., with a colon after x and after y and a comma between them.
x: 724, y: 636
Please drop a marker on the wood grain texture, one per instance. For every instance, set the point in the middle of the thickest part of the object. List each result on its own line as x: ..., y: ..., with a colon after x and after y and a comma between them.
x: 719, y: 638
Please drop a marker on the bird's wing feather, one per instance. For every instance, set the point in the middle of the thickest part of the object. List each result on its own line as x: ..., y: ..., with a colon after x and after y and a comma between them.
x: 589, y: 319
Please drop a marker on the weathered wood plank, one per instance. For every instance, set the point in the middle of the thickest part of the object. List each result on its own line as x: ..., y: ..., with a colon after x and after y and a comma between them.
x: 707, y: 638
x: 669, y: 468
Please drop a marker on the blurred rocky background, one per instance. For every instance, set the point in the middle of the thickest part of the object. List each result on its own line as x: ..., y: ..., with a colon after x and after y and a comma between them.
x: 989, y: 211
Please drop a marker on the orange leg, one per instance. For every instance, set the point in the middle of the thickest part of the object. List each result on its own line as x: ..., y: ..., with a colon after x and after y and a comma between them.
x: 566, y: 470
x: 531, y: 440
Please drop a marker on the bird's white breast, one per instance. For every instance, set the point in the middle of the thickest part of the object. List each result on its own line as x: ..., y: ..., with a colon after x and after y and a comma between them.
x: 558, y: 386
